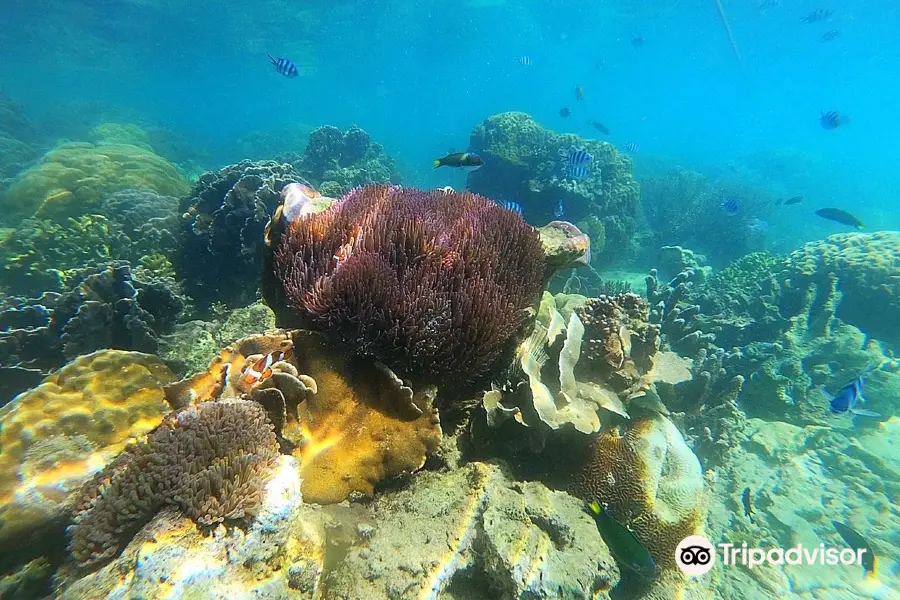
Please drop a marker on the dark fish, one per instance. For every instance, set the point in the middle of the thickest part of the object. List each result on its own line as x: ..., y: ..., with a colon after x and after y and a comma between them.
x: 764, y: 4
x: 525, y: 61
x: 858, y: 542
x: 849, y: 397
x: 579, y: 93
x: 622, y: 543
x: 463, y: 160
x: 599, y: 126
x: 564, y: 112
x: 831, y: 34
x: 285, y: 66
x: 637, y: 41
x: 513, y: 206
x: 791, y: 200
x: 820, y: 14
x: 833, y: 119
x: 730, y: 207
x: 559, y: 210
x: 748, y: 508
x: 839, y: 216
x: 631, y: 148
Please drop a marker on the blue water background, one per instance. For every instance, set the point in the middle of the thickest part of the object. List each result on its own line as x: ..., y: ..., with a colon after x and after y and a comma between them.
x: 418, y: 76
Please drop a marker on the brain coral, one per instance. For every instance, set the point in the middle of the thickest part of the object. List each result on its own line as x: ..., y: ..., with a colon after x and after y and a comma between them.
x: 55, y: 436
x: 867, y: 267
x: 650, y: 481
x: 523, y: 162
x: 211, y: 460
x: 439, y: 286
x: 70, y: 180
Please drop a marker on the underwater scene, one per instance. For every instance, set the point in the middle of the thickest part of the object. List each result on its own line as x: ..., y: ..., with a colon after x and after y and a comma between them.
x: 470, y: 300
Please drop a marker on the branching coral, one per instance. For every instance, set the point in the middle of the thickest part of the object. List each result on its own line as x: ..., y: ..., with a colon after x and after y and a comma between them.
x: 211, y: 461
x: 226, y: 213
x: 440, y: 287
x: 134, y: 224
x: 675, y: 317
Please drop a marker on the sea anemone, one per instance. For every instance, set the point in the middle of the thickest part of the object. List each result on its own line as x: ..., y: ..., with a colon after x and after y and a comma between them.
x: 440, y: 286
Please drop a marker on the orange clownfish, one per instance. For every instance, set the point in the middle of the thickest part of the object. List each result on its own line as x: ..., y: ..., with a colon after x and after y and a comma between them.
x: 262, y: 369
x: 344, y: 252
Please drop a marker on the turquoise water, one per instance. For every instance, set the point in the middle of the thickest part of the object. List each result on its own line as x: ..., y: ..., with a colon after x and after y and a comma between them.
x: 122, y: 227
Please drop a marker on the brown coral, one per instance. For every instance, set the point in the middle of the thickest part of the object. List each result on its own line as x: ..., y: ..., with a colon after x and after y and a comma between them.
x: 209, y: 460
x: 619, y: 342
x: 650, y: 481
x: 436, y: 285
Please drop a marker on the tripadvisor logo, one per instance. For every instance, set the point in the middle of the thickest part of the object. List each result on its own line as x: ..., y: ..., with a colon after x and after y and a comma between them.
x: 696, y: 555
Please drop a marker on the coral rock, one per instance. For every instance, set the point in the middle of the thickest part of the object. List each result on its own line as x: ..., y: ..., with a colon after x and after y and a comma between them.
x: 72, y: 179
x: 475, y: 532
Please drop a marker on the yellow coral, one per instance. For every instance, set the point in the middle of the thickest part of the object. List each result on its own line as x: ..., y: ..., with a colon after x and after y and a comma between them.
x: 72, y: 179
x: 120, y: 133
x: 350, y: 423
x: 651, y: 481
x: 55, y: 436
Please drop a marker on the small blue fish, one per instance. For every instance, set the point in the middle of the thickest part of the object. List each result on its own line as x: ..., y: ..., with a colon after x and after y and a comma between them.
x: 513, y: 206
x: 815, y: 16
x: 285, y: 66
x: 849, y: 397
x: 560, y: 209
x: 730, y: 207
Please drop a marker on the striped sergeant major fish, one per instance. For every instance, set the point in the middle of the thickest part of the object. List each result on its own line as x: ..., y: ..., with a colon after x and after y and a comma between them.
x: 578, y: 161
x: 285, y: 66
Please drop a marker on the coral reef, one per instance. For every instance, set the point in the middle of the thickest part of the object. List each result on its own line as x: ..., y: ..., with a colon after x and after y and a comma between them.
x: 54, y: 437
x: 72, y: 179
x: 138, y: 226
x: 211, y: 461
x: 104, y: 307
x: 350, y: 423
x: 650, y: 481
x: 683, y: 208
x: 607, y: 359
x: 439, y: 286
x: 338, y: 162
x: 523, y: 163
x: 676, y: 317
x: 867, y: 269
x: 225, y: 215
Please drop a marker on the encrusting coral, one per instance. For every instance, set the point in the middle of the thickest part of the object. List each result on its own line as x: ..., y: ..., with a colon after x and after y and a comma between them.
x: 57, y: 435
x: 439, y: 286
x: 349, y: 422
x: 211, y: 461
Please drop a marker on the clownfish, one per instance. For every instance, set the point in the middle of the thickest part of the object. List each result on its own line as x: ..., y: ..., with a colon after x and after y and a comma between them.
x: 262, y: 368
